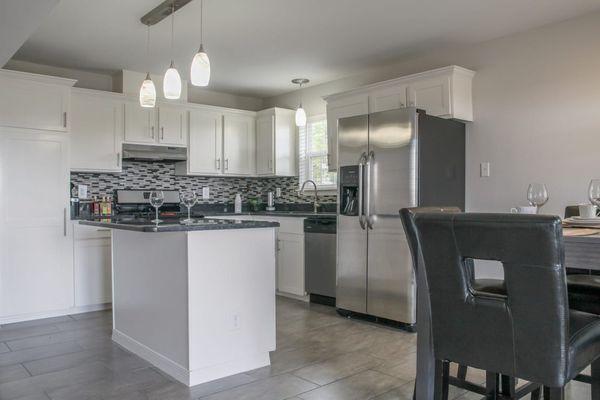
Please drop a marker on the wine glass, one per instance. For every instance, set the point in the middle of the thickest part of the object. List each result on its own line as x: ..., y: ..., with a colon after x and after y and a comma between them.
x: 594, y: 191
x: 188, y: 199
x: 157, y: 198
x: 537, y: 194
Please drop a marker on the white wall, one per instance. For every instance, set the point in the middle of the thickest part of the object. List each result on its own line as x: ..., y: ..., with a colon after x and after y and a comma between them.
x: 537, y: 111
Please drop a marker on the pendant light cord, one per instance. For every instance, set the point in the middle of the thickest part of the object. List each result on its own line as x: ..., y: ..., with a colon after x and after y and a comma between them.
x: 172, y: 27
x: 201, y: 22
x: 148, y: 42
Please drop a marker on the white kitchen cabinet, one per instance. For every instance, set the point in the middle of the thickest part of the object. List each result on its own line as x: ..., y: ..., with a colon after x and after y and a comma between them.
x: 140, y: 124
x: 92, y: 265
x: 171, y: 125
x: 34, y: 101
x: 290, y: 264
x: 239, y: 145
x: 342, y: 108
x: 96, y: 131
x: 205, y: 144
x: 444, y: 92
x: 36, y: 248
x: 431, y: 95
x: 276, y: 149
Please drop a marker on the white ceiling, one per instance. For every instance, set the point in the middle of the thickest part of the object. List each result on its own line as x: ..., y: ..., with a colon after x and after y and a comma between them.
x: 257, y: 46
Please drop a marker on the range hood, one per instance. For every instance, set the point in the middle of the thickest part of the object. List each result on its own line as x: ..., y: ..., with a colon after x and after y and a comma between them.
x: 156, y: 153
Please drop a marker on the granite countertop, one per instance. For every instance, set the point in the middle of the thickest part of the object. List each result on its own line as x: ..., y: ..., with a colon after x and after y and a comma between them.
x: 175, y: 225
x: 297, y: 214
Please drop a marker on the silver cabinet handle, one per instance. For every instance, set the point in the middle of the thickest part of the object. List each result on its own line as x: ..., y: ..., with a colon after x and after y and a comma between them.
x: 118, y: 159
x: 162, y: 133
x: 218, y: 164
x: 278, y: 245
x: 361, y: 166
x: 152, y: 131
x: 65, y: 119
x: 401, y: 104
x: 102, y: 230
x: 65, y: 221
x: 227, y: 164
x: 368, y: 205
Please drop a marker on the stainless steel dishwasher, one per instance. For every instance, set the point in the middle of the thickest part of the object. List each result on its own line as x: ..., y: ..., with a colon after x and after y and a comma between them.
x: 320, y: 259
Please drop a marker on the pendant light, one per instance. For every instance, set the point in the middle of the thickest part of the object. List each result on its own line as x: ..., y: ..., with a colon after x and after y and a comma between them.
x: 200, y: 70
x: 148, y: 91
x: 172, y: 80
x: 300, y: 113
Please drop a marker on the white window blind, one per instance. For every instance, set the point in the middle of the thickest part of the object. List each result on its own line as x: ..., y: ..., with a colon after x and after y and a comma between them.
x: 313, y: 154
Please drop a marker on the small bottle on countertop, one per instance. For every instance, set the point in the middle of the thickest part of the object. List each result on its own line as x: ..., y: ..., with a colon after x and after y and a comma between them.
x: 238, y: 204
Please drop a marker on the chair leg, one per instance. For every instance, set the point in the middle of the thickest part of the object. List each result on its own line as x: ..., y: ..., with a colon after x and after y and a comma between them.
x: 442, y: 372
x: 508, y: 384
x: 554, y: 393
x: 535, y: 395
x: 491, y: 386
x: 596, y: 380
x: 462, y: 372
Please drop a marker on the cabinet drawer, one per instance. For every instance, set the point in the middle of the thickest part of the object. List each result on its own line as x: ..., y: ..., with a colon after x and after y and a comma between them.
x: 83, y: 232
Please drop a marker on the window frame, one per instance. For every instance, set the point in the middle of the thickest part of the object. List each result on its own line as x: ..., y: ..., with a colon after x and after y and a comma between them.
x: 305, y: 157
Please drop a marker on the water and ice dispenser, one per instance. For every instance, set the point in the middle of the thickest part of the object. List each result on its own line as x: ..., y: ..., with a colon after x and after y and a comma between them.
x: 349, y: 181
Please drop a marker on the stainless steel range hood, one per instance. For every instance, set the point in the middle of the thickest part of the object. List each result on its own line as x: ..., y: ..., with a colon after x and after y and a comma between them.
x: 155, y: 153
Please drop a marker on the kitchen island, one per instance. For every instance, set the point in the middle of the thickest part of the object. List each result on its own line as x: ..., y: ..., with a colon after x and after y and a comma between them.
x: 197, y: 301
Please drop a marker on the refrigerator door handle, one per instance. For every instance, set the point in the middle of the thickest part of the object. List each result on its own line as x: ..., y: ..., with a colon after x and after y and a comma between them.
x: 361, y: 165
x: 368, y: 205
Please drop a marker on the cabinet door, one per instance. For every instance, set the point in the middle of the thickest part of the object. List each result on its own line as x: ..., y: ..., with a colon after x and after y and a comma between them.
x: 265, y: 130
x: 290, y: 264
x: 171, y: 125
x: 341, y: 108
x: 387, y: 98
x: 92, y: 269
x: 239, y: 145
x: 140, y: 124
x: 96, y: 133
x: 34, y: 105
x: 36, y: 247
x: 431, y: 95
x: 205, y: 142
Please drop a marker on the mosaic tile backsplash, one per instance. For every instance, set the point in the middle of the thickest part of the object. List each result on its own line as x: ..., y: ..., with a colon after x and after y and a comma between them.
x: 161, y: 175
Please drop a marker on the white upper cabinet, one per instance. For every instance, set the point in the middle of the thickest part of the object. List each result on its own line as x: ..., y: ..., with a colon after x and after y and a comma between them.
x: 342, y: 108
x: 444, y: 92
x: 239, y: 145
x: 96, y: 131
x: 205, y: 144
x: 172, y: 125
x: 140, y: 124
x: 34, y: 101
x: 276, y: 150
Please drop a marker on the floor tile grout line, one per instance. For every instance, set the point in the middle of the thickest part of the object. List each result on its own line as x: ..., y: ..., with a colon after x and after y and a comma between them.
x: 81, y: 349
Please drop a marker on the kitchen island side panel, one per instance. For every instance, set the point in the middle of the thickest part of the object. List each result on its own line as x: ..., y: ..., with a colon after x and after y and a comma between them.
x: 150, y: 293
x: 231, y: 301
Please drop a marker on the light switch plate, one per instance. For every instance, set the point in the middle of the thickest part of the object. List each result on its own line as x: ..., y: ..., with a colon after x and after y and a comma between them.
x: 82, y: 191
x: 205, y: 193
x: 485, y: 169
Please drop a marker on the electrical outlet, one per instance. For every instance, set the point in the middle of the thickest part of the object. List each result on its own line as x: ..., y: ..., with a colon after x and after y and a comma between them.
x: 484, y: 169
x: 205, y: 193
x: 235, y: 323
x: 277, y: 192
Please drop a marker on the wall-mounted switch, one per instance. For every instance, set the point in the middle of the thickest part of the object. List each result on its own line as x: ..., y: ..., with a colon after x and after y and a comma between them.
x: 205, y: 193
x: 484, y: 169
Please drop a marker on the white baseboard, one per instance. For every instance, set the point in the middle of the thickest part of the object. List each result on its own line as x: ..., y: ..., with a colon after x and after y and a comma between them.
x: 54, y: 313
x: 182, y: 374
x: 305, y: 298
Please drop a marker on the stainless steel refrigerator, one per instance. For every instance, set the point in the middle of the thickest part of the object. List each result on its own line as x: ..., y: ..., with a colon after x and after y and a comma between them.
x: 386, y: 161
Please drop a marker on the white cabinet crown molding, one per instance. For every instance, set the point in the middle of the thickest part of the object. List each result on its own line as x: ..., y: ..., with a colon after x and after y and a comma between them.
x: 39, y: 78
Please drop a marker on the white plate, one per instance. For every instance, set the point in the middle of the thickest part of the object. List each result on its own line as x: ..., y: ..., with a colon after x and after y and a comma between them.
x: 578, y: 218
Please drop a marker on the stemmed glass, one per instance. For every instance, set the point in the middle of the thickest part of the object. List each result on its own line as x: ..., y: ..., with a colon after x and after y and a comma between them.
x: 157, y: 198
x: 594, y: 191
x: 189, y: 200
x: 537, y: 194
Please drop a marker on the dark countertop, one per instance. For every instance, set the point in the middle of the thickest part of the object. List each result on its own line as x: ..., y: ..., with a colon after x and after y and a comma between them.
x: 297, y: 214
x: 175, y: 225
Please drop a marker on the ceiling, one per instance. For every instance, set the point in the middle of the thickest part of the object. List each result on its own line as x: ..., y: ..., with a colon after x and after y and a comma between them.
x: 257, y: 46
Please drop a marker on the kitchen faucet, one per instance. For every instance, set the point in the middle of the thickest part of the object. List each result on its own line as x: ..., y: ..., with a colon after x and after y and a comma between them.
x: 316, y: 200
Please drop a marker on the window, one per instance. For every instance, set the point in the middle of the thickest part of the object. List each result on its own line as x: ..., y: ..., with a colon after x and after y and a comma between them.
x: 313, y: 154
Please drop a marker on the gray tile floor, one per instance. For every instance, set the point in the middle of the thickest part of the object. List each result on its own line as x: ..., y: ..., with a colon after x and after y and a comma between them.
x: 319, y: 356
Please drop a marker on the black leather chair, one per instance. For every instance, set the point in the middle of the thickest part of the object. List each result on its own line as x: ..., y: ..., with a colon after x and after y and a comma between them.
x: 584, y: 286
x: 486, y: 285
x: 529, y: 332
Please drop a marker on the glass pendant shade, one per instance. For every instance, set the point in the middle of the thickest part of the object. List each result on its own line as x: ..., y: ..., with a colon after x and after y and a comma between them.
x: 200, y: 70
x: 148, y: 93
x: 172, y: 83
x: 300, y: 117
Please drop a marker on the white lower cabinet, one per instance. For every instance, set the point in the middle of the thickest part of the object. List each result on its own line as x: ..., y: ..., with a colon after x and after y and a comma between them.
x: 92, y: 265
x: 290, y: 263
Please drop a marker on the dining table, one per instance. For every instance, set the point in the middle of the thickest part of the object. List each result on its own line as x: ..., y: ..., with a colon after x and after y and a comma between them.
x: 582, y: 251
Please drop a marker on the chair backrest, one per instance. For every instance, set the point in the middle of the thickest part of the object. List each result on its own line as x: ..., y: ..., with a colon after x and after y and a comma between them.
x: 523, y: 334
x: 407, y: 215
